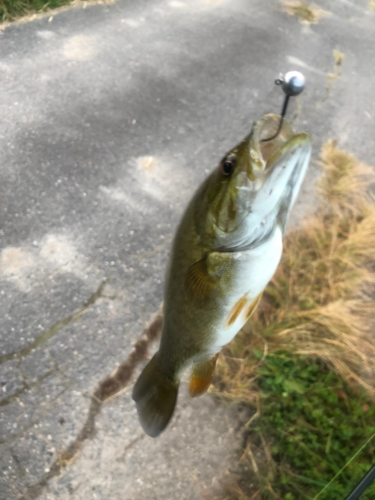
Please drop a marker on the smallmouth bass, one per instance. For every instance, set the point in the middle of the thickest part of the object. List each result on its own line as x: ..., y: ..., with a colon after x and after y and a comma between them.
x: 226, y: 249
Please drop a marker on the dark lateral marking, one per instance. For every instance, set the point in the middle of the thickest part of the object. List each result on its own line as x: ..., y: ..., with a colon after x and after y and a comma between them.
x: 109, y: 387
x: 236, y: 311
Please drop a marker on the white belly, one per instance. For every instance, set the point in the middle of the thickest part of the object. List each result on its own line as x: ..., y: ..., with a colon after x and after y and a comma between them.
x: 257, y: 266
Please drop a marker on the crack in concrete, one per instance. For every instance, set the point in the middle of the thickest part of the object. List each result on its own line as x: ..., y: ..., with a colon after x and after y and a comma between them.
x: 13, y: 437
x: 26, y: 387
x: 129, y: 447
x: 20, y: 470
x: 54, y: 329
x: 108, y: 388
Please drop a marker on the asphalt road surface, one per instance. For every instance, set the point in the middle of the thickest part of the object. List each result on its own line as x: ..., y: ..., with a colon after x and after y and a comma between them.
x: 110, y: 118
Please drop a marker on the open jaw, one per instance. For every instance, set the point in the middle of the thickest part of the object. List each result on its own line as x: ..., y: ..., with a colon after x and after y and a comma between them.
x: 266, y: 185
x: 285, y: 161
x: 268, y: 199
x: 265, y: 129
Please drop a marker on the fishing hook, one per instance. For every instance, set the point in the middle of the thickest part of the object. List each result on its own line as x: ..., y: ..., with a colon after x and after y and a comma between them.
x: 292, y: 84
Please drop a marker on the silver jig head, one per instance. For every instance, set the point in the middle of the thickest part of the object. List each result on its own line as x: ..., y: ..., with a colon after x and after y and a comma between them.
x: 292, y: 84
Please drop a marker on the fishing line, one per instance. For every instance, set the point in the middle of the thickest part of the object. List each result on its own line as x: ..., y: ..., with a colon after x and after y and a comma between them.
x: 362, y: 485
x: 292, y: 84
x: 366, y: 481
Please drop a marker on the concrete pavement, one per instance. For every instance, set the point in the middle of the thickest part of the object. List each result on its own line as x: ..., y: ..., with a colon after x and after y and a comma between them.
x: 111, y: 116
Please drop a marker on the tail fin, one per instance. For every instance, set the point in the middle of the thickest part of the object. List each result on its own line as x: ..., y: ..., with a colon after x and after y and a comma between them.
x: 155, y: 396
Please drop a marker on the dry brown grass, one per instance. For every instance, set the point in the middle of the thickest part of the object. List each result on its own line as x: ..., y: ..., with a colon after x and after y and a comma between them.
x: 319, y: 302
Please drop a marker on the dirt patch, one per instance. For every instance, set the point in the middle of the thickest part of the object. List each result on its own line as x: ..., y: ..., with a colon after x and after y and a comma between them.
x: 336, y: 72
x: 80, y: 48
x: 306, y: 14
x: 27, y: 266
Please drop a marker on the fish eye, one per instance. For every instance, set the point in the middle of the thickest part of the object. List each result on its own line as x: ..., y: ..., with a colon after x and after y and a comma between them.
x: 228, y: 165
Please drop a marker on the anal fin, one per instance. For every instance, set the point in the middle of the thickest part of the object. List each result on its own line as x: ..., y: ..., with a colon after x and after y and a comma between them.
x: 202, y: 376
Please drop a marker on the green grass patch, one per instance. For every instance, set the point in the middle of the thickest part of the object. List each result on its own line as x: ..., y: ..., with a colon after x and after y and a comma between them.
x: 314, y: 422
x: 13, y: 9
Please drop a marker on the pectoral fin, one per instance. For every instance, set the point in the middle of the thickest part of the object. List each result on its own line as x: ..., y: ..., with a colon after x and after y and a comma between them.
x: 199, y: 284
x: 204, y: 278
x: 201, y: 377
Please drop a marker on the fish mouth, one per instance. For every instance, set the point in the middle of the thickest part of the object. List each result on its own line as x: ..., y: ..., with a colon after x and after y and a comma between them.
x: 285, y: 159
x: 270, y: 185
x: 261, y: 147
